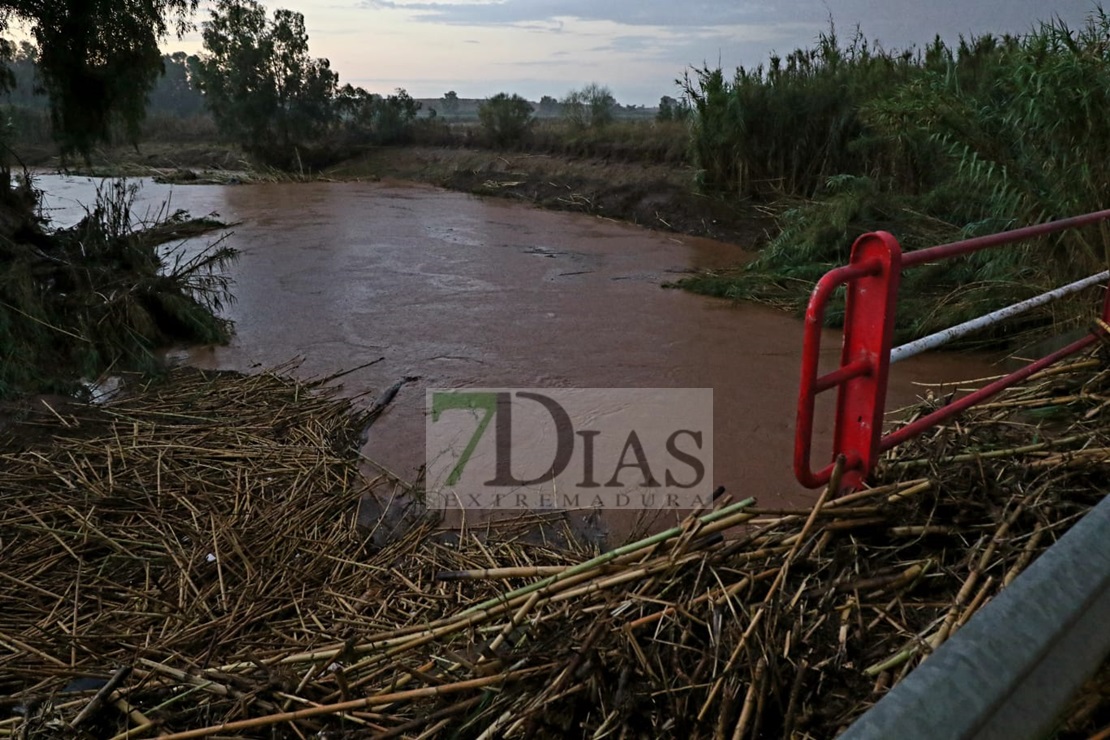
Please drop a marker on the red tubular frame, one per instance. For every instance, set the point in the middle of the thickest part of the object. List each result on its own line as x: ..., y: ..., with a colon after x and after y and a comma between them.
x: 872, y: 278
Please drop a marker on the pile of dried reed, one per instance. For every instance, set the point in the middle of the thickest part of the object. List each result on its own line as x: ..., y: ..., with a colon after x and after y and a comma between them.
x: 186, y: 562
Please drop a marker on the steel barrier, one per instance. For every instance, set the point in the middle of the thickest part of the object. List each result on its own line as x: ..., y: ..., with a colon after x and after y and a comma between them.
x: 872, y: 279
x: 1009, y: 673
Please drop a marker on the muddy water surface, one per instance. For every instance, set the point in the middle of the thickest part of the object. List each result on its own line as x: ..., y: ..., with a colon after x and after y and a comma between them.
x: 460, y: 291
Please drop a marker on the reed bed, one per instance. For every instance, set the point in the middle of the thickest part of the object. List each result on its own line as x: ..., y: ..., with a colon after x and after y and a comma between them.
x: 847, y: 137
x: 186, y: 562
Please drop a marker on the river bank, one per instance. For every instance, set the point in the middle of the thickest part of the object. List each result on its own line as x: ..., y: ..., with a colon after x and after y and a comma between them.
x: 103, y: 290
x: 405, y: 280
x: 655, y: 196
x: 662, y: 197
x: 402, y: 280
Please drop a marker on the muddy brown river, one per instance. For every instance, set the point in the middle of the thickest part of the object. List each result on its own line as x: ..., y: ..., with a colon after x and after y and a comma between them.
x: 461, y: 291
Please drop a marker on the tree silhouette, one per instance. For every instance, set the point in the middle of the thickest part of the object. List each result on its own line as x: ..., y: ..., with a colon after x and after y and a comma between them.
x: 98, y: 59
x: 264, y: 89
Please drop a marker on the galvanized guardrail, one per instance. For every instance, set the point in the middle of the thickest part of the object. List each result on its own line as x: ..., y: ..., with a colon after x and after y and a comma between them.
x: 1011, y: 670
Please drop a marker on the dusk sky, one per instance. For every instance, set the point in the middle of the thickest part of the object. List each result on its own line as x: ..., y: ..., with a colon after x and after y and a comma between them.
x: 637, y: 47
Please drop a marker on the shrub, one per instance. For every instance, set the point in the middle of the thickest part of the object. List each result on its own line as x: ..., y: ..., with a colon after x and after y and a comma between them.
x: 590, y: 107
x: 787, y: 127
x: 101, y: 294
x: 505, y: 119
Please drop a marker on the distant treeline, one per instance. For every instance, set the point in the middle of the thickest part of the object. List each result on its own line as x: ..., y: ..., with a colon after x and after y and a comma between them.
x: 178, y: 95
x: 173, y: 95
x: 452, y: 108
x: 175, y: 109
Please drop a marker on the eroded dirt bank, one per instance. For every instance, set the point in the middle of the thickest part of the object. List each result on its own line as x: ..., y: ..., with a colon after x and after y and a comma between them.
x: 656, y: 196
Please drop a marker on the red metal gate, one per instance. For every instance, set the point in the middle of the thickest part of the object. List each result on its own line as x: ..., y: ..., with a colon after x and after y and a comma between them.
x: 872, y: 278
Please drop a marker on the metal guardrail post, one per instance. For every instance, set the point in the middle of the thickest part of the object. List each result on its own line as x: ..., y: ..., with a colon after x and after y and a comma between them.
x: 872, y: 280
x: 811, y: 384
x: 869, y: 312
x: 1010, y: 671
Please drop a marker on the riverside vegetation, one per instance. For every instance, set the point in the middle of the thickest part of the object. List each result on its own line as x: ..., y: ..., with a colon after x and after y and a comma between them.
x: 75, y: 302
x: 101, y: 294
x: 814, y: 148
x: 932, y: 145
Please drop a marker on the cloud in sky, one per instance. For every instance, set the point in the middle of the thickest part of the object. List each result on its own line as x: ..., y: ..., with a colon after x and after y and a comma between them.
x: 637, y: 47
x: 695, y: 13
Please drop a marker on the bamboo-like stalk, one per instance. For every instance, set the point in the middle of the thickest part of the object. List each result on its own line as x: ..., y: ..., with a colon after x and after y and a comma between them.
x: 748, y: 709
x: 496, y: 574
x: 830, y: 490
x: 101, y: 696
x: 950, y: 618
x: 1027, y: 554
x: 635, y: 547
x: 992, y: 454
x: 135, y: 732
x: 370, y: 701
x: 253, y: 563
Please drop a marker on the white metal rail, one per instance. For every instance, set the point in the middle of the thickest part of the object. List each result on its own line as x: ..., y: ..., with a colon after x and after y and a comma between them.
x: 945, y: 336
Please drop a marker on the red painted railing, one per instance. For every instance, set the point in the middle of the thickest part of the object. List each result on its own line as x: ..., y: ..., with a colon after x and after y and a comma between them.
x: 871, y: 279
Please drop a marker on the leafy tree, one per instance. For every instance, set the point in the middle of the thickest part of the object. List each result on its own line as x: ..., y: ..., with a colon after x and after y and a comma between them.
x: 98, y: 59
x: 672, y: 110
x: 263, y: 88
x: 590, y: 107
x: 349, y: 101
x: 451, y: 103
x: 21, y: 75
x: 369, y: 117
x: 174, y: 94
x: 549, y: 106
x: 392, y: 117
x: 505, y: 119
x: 666, y: 109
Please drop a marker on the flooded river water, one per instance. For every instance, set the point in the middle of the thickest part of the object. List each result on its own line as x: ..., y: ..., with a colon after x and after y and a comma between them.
x: 460, y: 291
